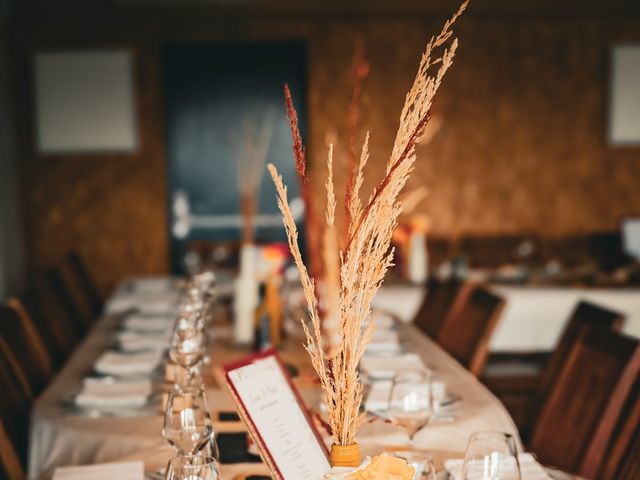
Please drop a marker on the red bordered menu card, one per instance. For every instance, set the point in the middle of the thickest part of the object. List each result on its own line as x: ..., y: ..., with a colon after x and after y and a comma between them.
x: 276, y: 417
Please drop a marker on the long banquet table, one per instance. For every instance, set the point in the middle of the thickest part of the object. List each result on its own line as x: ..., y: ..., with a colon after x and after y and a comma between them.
x: 61, y: 436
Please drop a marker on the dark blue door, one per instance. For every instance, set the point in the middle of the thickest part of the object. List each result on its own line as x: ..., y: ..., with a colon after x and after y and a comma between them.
x: 213, y: 93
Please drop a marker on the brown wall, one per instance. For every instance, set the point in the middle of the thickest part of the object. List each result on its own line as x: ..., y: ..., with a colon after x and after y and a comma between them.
x: 522, y: 146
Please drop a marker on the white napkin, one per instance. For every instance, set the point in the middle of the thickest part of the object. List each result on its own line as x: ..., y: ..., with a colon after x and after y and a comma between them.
x: 153, y: 285
x: 104, y: 471
x: 149, y: 303
x: 383, y: 321
x: 119, y: 363
x: 133, y: 341
x: 529, y: 468
x: 148, y: 323
x: 385, y: 367
x: 114, y: 393
x: 380, y: 392
x: 384, y: 341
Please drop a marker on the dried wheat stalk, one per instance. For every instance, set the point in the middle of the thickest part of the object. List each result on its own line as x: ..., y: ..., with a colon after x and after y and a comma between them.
x: 368, y: 255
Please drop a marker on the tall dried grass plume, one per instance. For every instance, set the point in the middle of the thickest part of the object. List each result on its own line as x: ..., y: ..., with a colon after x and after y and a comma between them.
x: 367, y: 255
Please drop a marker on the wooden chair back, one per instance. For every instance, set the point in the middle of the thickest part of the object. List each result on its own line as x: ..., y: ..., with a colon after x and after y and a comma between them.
x: 23, y: 344
x: 85, y: 282
x: 439, y: 298
x: 38, y: 306
x: 585, y: 314
x: 623, y: 457
x: 577, y: 419
x: 59, y: 286
x: 14, y: 423
x: 466, y: 331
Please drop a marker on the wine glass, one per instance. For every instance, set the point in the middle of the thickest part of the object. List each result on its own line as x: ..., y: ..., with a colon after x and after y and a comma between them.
x: 192, y: 467
x: 411, y: 401
x: 421, y: 461
x: 187, y: 347
x: 187, y: 422
x: 491, y: 456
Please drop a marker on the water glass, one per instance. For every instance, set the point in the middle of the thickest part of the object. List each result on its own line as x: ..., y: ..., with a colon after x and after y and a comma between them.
x: 421, y: 461
x: 192, y: 467
x: 187, y: 421
x: 411, y: 401
x: 491, y: 456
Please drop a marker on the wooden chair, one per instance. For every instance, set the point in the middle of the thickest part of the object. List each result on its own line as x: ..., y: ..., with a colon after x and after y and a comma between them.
x: 623, y: 457
x: 438, y: 301
x: 585, y: 314
x: 14, y: 424
x: 23, y: 345
x: 467, y: 329
x: 59, y: 286
x: 85, y: 282
x: 578, y: 418
x: 38, y: 306
x: 522, y: 384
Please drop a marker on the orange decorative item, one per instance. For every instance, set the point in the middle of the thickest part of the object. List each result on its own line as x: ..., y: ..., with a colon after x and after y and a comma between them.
x: 345, y: 455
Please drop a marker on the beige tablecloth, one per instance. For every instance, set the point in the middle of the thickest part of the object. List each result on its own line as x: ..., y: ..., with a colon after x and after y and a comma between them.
x: 60, y: 437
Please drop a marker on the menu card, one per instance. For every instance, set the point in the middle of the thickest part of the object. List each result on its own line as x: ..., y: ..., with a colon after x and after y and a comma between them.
x: 276, y: 418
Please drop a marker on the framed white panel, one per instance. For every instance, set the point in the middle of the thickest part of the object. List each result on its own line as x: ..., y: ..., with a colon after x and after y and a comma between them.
x: 624, y: 102
x: 85, y: 101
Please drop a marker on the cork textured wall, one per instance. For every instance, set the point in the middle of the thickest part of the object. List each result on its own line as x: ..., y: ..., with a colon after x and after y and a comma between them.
x: 522, y: 146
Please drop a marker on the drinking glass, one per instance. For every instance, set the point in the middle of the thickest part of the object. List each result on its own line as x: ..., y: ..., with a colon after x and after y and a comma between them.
x: 192, y: 467
x: 188, y: 346
x: 187, y: 422
x: 491, y: 456
x: 421, y: 461
x: 411, y: 401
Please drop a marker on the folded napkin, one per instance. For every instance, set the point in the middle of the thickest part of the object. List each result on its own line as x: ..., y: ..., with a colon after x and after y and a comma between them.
x: 529, y: 468
x: 153, y: 285
x: 380, y: 393
x: 383, y: 321
x: 131, y: 341
x: 149, y: 323
x: 120, y: 363
x: 149, y: 303
x: 107, y: 392
x: 385, y: 367
x: 104, y: 471
x: 384, y: 341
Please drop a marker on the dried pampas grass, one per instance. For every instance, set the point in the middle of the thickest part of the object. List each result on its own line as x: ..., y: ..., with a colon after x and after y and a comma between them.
x: 367, y: 256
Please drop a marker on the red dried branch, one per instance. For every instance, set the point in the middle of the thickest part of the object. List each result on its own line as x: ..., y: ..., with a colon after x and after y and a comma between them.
x: 313, y: 236
x: 298, y: 146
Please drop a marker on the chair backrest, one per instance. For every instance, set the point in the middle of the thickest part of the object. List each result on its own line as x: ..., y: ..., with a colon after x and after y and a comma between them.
x: 439, y: 298
x: 467, y: 329
x: 22, y: 343
x: 37, y: 304
x: 578, y: 418
x: 585, y: 314
x: 623, y: 457
x: 14, y: 424
x: 85, y: 282
x: 59, y: 286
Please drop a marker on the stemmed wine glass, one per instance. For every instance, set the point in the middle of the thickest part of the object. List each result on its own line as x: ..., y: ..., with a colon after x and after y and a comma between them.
x: 411, y: 401
x: 192, y: 467
x: 491, y: 456
x: 188, y: 347
x: 187, y: 422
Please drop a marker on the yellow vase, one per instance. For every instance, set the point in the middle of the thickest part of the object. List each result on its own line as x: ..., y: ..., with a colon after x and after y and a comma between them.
x: 345, y: 455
